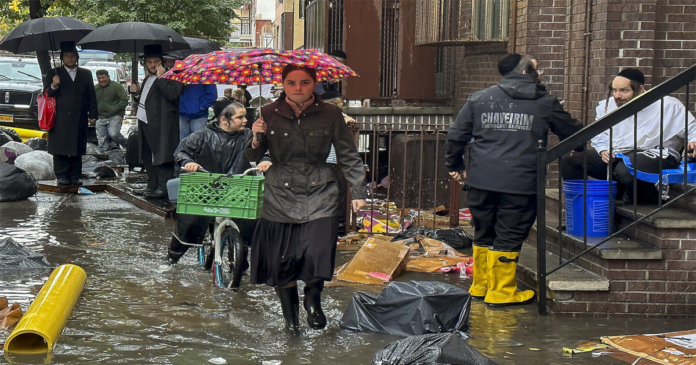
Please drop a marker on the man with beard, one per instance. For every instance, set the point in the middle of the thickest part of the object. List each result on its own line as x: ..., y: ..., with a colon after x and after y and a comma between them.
x: 503, y: 124
x: 76, y: 106
x: 627, y: 85
x: 158, y: 122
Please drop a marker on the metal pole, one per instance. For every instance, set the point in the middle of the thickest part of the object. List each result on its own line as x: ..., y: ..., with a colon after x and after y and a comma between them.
x: 541, y: 227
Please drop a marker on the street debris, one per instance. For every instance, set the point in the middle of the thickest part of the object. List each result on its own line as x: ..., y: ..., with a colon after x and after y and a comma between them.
x: 409, y: 308
x: 9, y: 314
x: 666, y: 348
x: 15, y: 256
x: 441, y: 348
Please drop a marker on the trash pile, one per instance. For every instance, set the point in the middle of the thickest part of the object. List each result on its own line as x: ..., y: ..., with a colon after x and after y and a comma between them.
x: 9, y: 314
x: 665, y: 348
x: 14, y: 256
x: 379, y: 216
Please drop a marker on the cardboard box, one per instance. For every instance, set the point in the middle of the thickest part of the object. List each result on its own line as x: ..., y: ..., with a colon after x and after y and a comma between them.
x: 375, y: 256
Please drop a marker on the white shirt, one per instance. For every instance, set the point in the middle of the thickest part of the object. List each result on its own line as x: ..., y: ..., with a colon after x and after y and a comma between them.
x: 648, y: 129
x: 72, y: 72
x: 141, y: 114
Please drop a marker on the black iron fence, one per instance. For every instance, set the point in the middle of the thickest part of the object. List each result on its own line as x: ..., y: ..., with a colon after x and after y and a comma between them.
x: 404, y: 159
x: 562, y: 150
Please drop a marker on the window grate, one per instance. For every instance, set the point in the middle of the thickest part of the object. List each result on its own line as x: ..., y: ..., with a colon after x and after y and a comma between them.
x: 390, y: 48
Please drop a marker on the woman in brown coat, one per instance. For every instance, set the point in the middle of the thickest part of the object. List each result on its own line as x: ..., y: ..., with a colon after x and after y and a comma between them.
x: 296, y: 236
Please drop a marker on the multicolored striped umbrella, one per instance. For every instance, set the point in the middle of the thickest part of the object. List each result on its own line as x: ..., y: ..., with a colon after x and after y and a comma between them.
x: 253, y: 67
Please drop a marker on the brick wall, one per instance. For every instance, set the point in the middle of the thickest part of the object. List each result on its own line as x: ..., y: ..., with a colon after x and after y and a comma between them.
x: 476, y: 68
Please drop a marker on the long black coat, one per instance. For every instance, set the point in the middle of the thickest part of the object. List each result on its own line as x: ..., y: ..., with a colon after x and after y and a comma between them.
x: 215, y: 150
x: 76, y: 102
x: 300, y: 185
x: 162, y: 108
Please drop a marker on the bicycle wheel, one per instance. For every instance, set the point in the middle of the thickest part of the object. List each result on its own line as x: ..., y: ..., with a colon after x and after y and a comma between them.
x: 228, y: 274
x: 206, y: 253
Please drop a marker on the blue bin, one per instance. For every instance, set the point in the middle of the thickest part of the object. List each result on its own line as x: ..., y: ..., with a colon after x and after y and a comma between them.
x: 597, y: 207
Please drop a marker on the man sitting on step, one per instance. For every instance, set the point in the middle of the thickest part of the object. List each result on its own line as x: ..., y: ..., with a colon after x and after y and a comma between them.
x: 628, y: 84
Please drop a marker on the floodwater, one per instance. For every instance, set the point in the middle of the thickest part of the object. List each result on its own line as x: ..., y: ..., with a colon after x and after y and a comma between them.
x: 134, y: 312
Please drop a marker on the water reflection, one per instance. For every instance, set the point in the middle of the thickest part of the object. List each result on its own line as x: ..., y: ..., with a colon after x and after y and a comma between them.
x: 132, y: 312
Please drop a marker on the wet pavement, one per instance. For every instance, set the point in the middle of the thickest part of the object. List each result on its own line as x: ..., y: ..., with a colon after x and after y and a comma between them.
x: 132, y: 311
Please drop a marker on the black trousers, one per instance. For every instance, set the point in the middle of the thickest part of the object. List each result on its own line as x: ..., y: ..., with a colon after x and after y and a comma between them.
x: 571, y: 169
x: 501, y: 220
x: 67, y: 167
x: 157, y: 175
x: 192, y: 229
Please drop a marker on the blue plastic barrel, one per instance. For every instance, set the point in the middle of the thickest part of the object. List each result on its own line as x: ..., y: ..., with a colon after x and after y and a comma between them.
x: 597, y: 207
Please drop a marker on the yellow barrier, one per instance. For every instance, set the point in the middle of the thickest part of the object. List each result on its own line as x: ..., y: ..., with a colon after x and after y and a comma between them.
x: 40, y: 328
x: 30, y: 133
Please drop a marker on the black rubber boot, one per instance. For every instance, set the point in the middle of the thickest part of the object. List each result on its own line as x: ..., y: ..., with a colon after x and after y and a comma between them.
x: 290, y: 302
x: 173, y: 256
x: 312, y: 304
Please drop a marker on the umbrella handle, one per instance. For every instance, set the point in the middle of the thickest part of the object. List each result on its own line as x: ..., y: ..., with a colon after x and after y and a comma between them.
x: 260, y: 137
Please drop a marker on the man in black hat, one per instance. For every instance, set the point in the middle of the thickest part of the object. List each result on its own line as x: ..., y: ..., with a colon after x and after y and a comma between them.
x: 158, y: 122
x: 76, y: 106
x: 627, y: 85
x: 504, y: 124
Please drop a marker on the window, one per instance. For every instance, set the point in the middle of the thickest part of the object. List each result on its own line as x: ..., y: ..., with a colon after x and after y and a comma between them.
x: 491, y: 19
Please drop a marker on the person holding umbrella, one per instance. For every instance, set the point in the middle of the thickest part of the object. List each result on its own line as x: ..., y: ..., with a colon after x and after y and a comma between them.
x: 76, y: 106
x: 158, y: 122
x: 296, y: 236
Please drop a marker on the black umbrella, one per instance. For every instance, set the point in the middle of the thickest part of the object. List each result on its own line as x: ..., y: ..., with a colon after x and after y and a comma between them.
x: 198, y: 46
x: 44, y: 34
x: 131, y: 37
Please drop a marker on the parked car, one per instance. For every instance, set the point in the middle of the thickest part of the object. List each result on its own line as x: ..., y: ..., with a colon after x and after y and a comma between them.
x: 119, y: 65
x: 115, y: 74
x: 20, y: 86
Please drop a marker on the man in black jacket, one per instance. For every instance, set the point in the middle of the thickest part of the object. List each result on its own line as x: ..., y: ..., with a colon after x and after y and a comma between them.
x: 76, y: 105
x: 502, y: 125
x: 158, y: 122
x: 219, y: 148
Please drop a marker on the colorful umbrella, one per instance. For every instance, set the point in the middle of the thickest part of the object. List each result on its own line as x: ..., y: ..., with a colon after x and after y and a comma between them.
x: 253, y: 67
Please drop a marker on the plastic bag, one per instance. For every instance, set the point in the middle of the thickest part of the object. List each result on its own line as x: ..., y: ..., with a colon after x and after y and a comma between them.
x: 117, y: 157
x: 15, y: 256
x: 11, y: 150
x: 15, y: 183
x: 4, y: 138
x: 47, y: 111
x: 37, y: 163
x: 433, y: 349
x: 37, y: 144
x: 407, y: 309
x: 12, y: 134
x: 455, y: 237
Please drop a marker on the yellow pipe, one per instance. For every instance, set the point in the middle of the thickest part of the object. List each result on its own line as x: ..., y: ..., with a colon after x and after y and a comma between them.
x: 30, y: 133
x: 40, y: 328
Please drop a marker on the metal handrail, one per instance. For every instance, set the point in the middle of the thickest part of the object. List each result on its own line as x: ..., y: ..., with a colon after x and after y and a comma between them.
x: 546, y: 156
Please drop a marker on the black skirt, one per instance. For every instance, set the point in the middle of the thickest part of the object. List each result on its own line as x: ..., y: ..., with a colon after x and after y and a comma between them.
x: 284, y: 252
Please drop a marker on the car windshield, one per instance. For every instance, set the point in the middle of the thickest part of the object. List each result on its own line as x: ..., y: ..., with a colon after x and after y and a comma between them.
x: 20, y: 70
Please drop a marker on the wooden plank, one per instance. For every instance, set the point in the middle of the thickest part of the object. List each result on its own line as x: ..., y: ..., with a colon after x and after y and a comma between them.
x: 89, y: 184
x: 162, y: 207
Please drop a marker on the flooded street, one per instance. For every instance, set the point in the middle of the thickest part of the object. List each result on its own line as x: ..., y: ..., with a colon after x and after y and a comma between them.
x: 134, y: 312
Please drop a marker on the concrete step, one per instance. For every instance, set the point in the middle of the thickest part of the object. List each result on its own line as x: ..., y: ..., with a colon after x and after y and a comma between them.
x: 570, y: 278
x: 666, y: 218
x: 621, y: 247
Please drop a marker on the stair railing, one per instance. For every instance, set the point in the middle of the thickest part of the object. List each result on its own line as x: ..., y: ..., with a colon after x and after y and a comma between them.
x: 557, y: 152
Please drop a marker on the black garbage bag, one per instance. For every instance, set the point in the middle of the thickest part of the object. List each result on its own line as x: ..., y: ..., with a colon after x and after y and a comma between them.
x: 104, y: 172
x: 15, y: 183
x: 12, y: 134
x: 409, y: 308
x: 4, y: 138
x: 15, y: 256
x: 37, y: 144
x: 455, y: 237
x: 432, y: 349
x: 117, y: 157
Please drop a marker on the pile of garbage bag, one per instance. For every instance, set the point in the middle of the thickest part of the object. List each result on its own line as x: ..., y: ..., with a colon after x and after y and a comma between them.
x: 455, y: 237
x: 12, y: 134
x: 15, y: 183
x: 37, y: 163
x: 15, y: 256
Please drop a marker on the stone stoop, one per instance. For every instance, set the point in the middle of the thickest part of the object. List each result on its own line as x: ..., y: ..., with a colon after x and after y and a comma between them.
x: 651, y: 268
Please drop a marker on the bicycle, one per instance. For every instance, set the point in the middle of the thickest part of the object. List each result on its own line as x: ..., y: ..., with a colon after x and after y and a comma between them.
x: 222, y: 249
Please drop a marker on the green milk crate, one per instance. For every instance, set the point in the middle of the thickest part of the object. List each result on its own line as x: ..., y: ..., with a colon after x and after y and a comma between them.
x: 220, y: 195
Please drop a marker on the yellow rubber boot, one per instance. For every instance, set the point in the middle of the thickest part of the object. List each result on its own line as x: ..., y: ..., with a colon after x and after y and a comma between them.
x: 479, y: 285
x: 502, y: 281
